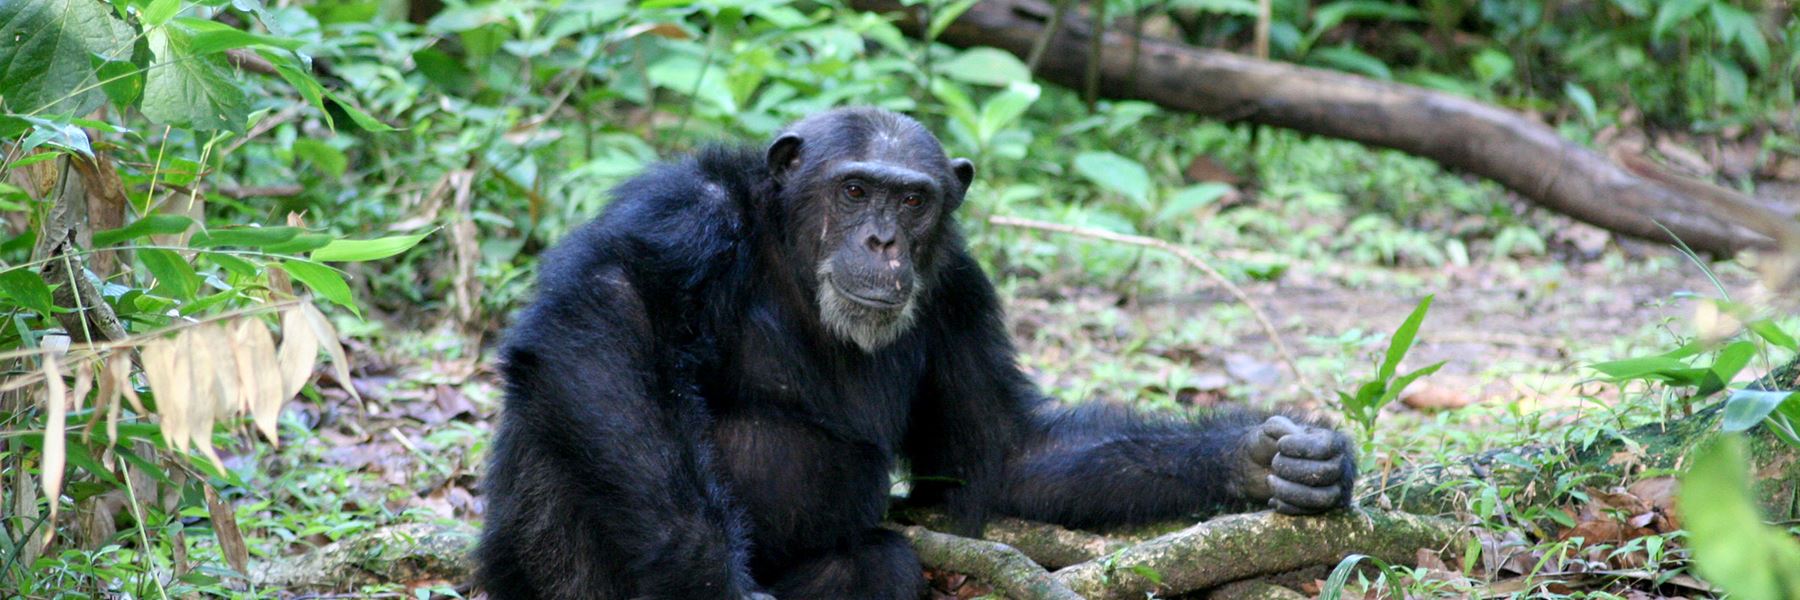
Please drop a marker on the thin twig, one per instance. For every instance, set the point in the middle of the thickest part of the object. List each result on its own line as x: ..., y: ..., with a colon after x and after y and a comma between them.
x: 1186, y: 257
x: 1043, y: 41
x: 1096, y: 42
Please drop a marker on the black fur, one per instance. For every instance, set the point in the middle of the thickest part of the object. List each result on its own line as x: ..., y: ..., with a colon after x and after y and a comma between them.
x: 679, y: 424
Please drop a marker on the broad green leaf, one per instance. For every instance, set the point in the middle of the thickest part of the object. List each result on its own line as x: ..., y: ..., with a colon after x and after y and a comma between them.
x: 687, y: 75
x: 1739, y: 25
x: 1732, y: 547
x: 322, y: 280
x: 361, y: 250
x: 1117, y: 174
x: 66, y: 136
x: 1340, y: 576
x: 1400, y: 383
x: 246, y: 237
x: 175, y: 278
x: 122, y: 81
x: 147, y: 226
x: 1491, y: 66
x: 46, y: 53
x: 985, y: 66
x: 188, y: 90
x: 1345, y: 58
x: 1403, y: 339
x: 27, y: 289
x: 1745, y: 408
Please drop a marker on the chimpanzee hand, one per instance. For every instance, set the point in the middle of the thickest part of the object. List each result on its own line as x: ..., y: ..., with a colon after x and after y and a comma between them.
x: 758, y: 596
x: 1297, y: 469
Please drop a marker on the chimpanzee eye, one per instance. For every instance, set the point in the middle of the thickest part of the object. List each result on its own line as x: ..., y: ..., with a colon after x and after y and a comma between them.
x: 913, y: 200
x: 854, y: 191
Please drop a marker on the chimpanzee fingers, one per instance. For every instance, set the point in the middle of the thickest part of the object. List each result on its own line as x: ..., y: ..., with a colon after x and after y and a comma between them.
x: 1279, y: 427
x: 1316, y: 444
x: 1304, y: 497
x: 1313, y: 473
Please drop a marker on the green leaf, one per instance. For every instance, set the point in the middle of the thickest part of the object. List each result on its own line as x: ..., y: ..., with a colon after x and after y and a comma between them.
x: 1403, y: 339
x: 1491, y: 66
x: 1345, y: 58
x: 1773, y: 334
x: 1731, y: 359
x: 212, y: 37
x: 362, y: 119
x: 1746, y: 408
x: 147, y: 226
x: 305, y: 242
x: 1340, y: 576
x: 322, y: 280
x: 985, y: 66
x: 1672, y: 12
x: 188, y: 90
x: 329, y: 160
x: 1583, y: 101
x: 1638, y: 368
x: 1192, y: 198
x: 159, y: 12
x: 1400, y: 383
x: 1117, y: 174
x: 175, y: 278
x: 25, y: 288
x: 361, y: 250
x: 944, y: 15
x: 1731, y: 546
x: 246, y: 237
x: 1004, y: 108
x: 46, y: 58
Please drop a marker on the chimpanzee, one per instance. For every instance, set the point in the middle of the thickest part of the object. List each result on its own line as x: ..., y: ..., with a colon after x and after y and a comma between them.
x: 718, y: 375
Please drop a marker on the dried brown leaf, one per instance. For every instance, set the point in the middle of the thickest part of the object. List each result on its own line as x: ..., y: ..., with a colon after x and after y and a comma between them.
x: 55, y: 454
x: 259, y: 375
x: 171, y: 381
x: 225, y: 527
x: 340, y: 364
x: 299, y: 350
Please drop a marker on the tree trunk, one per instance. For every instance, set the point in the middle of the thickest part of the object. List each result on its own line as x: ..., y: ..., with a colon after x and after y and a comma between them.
x: 1499, y: 144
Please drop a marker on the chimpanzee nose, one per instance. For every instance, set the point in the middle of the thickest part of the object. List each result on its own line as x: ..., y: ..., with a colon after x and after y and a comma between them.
x: 880, y: 244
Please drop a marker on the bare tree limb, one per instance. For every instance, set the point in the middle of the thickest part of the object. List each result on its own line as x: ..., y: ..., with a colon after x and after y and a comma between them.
x: 996, y: 564
x: 1523, y: 155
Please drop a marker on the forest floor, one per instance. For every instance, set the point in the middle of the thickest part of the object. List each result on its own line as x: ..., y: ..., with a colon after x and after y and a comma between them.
x: 1513, y: 335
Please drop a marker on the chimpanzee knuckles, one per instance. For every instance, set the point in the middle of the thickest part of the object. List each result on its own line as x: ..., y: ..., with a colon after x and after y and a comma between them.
x: 1307, y: 472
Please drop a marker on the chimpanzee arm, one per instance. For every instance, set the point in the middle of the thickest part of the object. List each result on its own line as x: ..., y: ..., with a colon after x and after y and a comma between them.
x: 1096, y: 465
x: 601, y: 483
x: 1101, y: 465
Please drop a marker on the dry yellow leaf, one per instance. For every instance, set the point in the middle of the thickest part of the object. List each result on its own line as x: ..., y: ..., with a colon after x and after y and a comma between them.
x: 259, y: 375
x: 328, y: 337
x: 169, y: 379
x: 209, y: 367
x: 55, y: 454
x: 84, y: 383
x: 117, y: 380
x: 299, y: 350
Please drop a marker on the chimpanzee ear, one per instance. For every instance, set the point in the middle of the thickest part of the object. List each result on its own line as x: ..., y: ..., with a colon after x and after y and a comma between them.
x: 783, y: 155
x: 965, y: 171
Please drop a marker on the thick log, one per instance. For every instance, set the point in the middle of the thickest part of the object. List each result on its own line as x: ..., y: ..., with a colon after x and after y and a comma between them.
x: 1499, y: 144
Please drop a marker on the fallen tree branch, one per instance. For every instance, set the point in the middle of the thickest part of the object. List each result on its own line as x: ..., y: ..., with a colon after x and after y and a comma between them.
x: 1523, y: 155
x: 1256, y: 311
x: 1238, y: 547
x: 999, y: 565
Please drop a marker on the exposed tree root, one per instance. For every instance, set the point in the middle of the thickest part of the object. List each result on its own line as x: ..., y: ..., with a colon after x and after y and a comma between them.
x: 1214, y: 553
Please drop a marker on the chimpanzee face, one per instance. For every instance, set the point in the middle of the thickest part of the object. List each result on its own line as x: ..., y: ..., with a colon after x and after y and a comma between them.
x: 878, y: 188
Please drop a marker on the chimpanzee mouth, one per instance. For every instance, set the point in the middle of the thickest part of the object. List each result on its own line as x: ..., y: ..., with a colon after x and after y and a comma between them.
x: 875, y: 303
